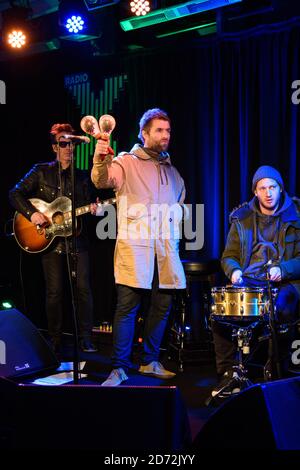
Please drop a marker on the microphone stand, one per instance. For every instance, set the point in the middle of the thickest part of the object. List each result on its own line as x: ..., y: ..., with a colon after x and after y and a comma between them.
x: 72, y: 269
x: 273, y: 345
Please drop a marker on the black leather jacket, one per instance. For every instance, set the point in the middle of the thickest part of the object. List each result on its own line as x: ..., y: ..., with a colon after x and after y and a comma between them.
x: 43, y: 182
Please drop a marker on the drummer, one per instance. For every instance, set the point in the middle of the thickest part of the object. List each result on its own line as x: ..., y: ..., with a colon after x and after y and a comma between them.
x: 264, y: 235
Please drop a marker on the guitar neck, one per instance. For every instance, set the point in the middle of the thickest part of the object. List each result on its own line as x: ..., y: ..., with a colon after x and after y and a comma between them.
x: 79, y: 211
x: 85, y: 209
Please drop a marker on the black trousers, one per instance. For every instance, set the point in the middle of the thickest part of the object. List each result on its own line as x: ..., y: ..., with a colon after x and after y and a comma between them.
x: 158, y: 302
x: 54, y: 266
x: 226, y: 348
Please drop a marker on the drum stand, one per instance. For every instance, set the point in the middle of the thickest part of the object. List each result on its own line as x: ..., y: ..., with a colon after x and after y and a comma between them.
x: 239, y: 380
x: 273, y: 359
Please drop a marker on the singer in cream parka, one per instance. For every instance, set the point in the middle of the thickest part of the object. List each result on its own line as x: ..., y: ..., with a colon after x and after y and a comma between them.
x: 150, y: 194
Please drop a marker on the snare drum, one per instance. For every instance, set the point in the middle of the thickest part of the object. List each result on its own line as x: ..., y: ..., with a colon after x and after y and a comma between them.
x: 238, y: 303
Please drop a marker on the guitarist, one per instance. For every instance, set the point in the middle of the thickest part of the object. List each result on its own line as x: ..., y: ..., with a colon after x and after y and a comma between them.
x: 47, y: 181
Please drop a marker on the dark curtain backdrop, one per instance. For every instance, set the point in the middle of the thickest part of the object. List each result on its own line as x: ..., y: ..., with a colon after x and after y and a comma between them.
x: 230, y: 102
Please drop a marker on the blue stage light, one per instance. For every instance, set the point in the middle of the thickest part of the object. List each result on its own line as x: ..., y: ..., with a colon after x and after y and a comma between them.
x: 74, y: 24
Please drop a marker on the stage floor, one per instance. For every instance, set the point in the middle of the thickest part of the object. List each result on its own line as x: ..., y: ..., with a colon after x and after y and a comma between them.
x: 194, y: 383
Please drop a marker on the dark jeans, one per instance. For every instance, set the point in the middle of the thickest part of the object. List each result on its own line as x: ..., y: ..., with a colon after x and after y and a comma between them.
x: 128, y: 303
x: 225, y: 348
x: 54, y: 266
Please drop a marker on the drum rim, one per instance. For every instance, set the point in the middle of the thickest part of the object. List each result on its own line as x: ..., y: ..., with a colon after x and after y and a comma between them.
x: 219, y: 316
x: 238, y: 289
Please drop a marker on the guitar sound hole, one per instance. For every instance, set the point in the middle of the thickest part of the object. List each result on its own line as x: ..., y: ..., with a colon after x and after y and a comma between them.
x: 58, y: 218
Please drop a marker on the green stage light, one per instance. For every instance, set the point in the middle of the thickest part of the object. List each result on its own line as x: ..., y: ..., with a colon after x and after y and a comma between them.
x: 6, y: 304
x: 203, y: 29
x: 173, y: 13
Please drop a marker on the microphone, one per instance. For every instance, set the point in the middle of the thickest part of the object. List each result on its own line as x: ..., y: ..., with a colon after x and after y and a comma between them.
x: 77, y: 138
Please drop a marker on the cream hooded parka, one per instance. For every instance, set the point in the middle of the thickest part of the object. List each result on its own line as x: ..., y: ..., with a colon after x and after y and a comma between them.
x: 150, y: 194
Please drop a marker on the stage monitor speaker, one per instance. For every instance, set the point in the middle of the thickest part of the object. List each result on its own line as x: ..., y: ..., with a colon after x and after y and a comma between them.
x: 93, y: 417
x: 265, y: 416
x: 23, y: 350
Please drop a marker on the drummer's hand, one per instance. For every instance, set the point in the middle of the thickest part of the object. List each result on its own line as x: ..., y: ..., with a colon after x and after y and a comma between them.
x: 236, y: 277
x: 275, y: 274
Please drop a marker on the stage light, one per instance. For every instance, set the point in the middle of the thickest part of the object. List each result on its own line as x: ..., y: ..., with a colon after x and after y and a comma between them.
x: 74, y: 24
x: 140, y: 7
x: 15, y: 27
x: 6, y: 304
x: 16, y: 39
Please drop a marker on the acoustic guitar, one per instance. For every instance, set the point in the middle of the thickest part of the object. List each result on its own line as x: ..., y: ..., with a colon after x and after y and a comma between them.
x: 36, y: 238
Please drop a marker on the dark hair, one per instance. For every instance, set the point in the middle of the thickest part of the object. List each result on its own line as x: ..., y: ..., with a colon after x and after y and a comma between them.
x: 148, y: 116
x: 57, y: 128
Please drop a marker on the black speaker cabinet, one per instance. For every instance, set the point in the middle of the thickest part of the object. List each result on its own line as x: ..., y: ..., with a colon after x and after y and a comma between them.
x: 23, y: 350
x: 93, y: 417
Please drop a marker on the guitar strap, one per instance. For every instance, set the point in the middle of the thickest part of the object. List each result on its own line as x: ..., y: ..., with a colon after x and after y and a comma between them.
x: 60, y: 179
x: 63, y: 243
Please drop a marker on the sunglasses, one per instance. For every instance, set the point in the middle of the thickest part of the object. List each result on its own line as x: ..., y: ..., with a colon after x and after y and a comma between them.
x: 64, y: 144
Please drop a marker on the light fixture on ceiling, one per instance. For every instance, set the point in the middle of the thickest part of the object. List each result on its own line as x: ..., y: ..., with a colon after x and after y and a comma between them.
x: 75, y: 22
x: 72, y: 15
x: 173, y: 13
x: 15, y: 29
x: 140, y: 7
x: 16, y: 39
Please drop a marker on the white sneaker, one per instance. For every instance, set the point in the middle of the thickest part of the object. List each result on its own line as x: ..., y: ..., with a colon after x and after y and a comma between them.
x: 156, y: 369
x: 115, y: 378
